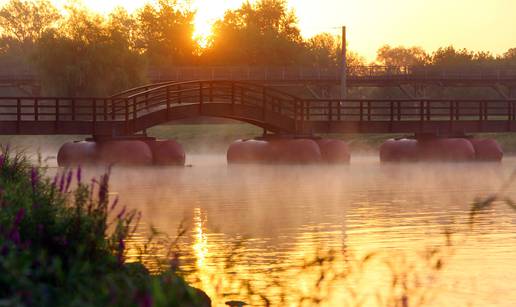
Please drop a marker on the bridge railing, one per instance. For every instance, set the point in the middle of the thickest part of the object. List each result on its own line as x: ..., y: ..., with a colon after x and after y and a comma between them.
x: 409, y: 110
x: 208, y: 92
x: 61, y: 109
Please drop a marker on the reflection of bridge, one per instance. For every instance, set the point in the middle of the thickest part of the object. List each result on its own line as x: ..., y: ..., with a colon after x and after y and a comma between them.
x: 136, y: 110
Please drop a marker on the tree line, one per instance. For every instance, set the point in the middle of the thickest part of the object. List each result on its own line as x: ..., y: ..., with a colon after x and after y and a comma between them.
x: 79, y: 52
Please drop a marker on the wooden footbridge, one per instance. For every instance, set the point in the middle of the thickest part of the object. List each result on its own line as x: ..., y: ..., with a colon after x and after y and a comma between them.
x: 138, y: 109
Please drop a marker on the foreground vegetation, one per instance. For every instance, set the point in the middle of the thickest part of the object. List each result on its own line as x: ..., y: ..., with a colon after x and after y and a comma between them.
x: 66, y: 247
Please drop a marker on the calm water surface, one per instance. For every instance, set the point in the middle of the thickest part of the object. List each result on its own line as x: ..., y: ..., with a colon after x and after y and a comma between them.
x: 253, y: 227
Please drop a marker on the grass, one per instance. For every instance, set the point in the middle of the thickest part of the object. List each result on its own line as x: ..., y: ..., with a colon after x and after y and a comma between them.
x: 216, y: 138
x: 67, y: 247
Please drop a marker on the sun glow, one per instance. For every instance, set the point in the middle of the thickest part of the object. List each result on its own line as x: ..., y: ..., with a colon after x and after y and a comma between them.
x: 207, y: 13
x: 489, y: 25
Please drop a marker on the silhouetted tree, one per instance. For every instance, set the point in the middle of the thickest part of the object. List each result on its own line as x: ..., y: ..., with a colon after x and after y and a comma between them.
x: 165, y: 34
x: 89, y: 55
x: 262, y: 33
x: 402, y: 56
x: 27, y: 20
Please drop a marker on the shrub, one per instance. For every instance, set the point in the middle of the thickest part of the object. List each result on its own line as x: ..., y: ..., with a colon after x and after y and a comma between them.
x: 62, y: 246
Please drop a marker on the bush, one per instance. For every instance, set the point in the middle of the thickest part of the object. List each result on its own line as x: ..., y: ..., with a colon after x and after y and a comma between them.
x: 60, y: 246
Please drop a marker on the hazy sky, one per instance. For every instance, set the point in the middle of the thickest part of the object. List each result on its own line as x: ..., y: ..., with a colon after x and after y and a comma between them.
x: 474, y: 24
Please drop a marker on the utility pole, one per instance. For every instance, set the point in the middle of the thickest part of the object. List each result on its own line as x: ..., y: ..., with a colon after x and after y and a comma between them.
x: 344, y: 68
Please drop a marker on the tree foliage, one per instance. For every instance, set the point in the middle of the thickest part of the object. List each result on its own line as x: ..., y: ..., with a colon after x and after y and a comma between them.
x: 27, y: 20
x: 77, y: 52
x: 261, y: 33
x: 402, y: 56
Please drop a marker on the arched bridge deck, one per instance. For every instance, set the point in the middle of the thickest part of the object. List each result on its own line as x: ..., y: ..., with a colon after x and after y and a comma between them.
x: 139, y: 109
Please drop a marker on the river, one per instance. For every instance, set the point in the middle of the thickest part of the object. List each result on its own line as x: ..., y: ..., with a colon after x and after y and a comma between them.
x: 364, y: 233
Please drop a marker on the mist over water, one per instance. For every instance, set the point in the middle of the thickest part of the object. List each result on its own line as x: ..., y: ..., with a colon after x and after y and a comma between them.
x: 277, y: 217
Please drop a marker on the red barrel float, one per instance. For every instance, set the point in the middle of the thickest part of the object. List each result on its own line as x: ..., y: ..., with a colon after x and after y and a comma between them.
x: 167, y: 152
x: 293, y: 151
x: 453, y: 149
x: 125, y: 152
x: 399, y: 150
x: 334, y: 151
x: 487, y: 150
x: 247, y: 151
x: 77, y: 153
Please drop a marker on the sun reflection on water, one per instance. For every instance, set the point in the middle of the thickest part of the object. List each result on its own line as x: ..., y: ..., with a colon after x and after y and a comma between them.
x: 254, y: 230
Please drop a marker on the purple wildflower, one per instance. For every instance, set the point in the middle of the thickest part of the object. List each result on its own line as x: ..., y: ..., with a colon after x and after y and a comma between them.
x: 34, y: 177
x: 121, y: 248
x: 115, y: 202
x: 54, y: 182
x: 2, y: 161
x: 146, y: 300
x: 19, y: 216
x: 79, y: 175
x: 68, y: 180
x: 14, y: 235
x: 121, y: 214
x: 62, y: 182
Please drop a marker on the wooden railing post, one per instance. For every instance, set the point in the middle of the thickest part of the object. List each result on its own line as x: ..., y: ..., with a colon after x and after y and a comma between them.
x: 330, y: 115
x: 307, y: 106
x: 296, y: 109
x: 361, y: 111
x: 105, y: 110
x: 94, y: 123
x: 113, y: 109
x: 134, y: 108
x: 369, y: 110
x: 392, y: 110
x: 421, y: 110
x: 126, y: 110
x: 509, y: 117
x: 57, y: 109
x: 18, y: 110
x: 18, y: 115
x: 428, y: 111
x: 451, y: 110
x: 480, y: 111
x: 36, y: 110
x: 339, y: 105
x: 73, y: 109
x: 94, y: 110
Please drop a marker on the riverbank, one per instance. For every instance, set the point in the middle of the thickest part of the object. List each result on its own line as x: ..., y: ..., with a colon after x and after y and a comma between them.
x: 210, y: 137
x: 216, y: 138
